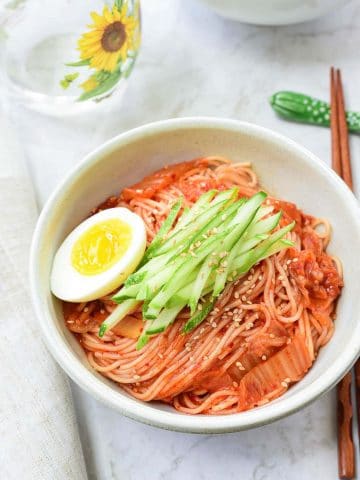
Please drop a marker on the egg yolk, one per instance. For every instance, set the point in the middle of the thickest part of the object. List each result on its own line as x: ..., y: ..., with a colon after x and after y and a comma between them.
x: 101, y: 246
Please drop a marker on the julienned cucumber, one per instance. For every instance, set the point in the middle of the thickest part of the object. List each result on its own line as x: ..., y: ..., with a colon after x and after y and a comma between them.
x: 302, y: 108
x: 217, y: 240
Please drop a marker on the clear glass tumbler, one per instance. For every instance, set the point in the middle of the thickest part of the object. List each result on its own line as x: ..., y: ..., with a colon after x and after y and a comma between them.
x: 66, y: 56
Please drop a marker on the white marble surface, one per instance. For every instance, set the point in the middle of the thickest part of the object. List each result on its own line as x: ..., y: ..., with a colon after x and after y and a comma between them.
x: 195, y: 63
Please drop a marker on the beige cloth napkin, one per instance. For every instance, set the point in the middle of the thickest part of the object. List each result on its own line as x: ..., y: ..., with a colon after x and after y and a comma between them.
x: 38, y: 431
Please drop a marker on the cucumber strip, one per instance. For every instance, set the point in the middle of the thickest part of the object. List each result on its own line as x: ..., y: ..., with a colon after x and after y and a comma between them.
x: 198, y: 221
x: 150, y: 288
x: 165, y: 318
x: 245, y: 261
x: 249, y: 209
x: 196, y: 209
x: 179, y: 278
x: 256, y: 233
x: 164, y: 229
x: 262, y: 212
x: 199, y: 284
x: 157, y: 263
x: 143, y: 339
x: 135, y: 280
x: 128, y: 306
x: 155, y: 279
x: 184, y: 293
x: 278, y: 246
x: 264, y: 226
x: 201, y: 221
x: 244, y: 216
x: 199, y: 317
x: 125, y: 293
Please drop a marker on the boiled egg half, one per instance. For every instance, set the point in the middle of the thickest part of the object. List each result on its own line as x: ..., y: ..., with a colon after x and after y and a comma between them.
x: 98, y: 255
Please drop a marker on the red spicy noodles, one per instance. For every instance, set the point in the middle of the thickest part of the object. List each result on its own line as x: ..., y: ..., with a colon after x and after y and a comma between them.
x: 263, y: 334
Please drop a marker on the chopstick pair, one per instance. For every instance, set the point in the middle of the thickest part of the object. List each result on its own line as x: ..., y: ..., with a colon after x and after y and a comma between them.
x: 341, y: 163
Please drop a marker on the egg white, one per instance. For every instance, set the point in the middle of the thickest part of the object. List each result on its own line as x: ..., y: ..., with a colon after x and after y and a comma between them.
x: 70, y: 285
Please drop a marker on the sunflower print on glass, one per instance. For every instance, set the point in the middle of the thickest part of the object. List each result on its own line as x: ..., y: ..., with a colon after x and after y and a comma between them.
x: 109, y: 49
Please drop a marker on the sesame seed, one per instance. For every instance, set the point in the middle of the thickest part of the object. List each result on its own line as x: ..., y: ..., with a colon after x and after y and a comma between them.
x: 235, y: 384
x: 287, y: 380
x: 284, y: 384
x: 202, y: 330
x: 214, y: 324
x: 280, y: 277
x: 227, y: 309
x: 102, y: 311
x: 249, y: 325
x: 260, y: 278
x: 86, y: 309
x: 188, y: 349
x: 236, y: 295
x: 192, y: 359
x: 136, y: 377
x: 295, y: 260
x: 272, y: 335
x: 288, y: 262
x: 205, y: 357
x: 264, y: 357
x: 199, y: 307
x: 240, y: 366
x: 70, y: 321
x: 249, y: 302
x: 243, y: 298
x: 160, y: 355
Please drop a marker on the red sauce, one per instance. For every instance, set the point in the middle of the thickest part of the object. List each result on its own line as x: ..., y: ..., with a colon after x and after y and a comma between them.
x: 291, y: 213
x: 314, y: 272
x: 157, y: 181
x: 78, y: 323
x: 192, y: 191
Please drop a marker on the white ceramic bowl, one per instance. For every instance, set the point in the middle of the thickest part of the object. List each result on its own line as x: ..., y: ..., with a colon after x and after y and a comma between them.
x: 273, y: 12
x: 285, y: 169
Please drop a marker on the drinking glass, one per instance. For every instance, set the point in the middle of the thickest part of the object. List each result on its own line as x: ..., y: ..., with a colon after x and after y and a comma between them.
x: 65, y: 56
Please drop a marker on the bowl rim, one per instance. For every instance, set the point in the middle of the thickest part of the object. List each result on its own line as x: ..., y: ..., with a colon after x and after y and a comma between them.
x: 144, y: 412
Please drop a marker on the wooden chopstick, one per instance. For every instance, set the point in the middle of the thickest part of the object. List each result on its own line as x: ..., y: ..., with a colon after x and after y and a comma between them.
x: 343, y: 134
x: 341, y: 163
x: 335, y: 140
